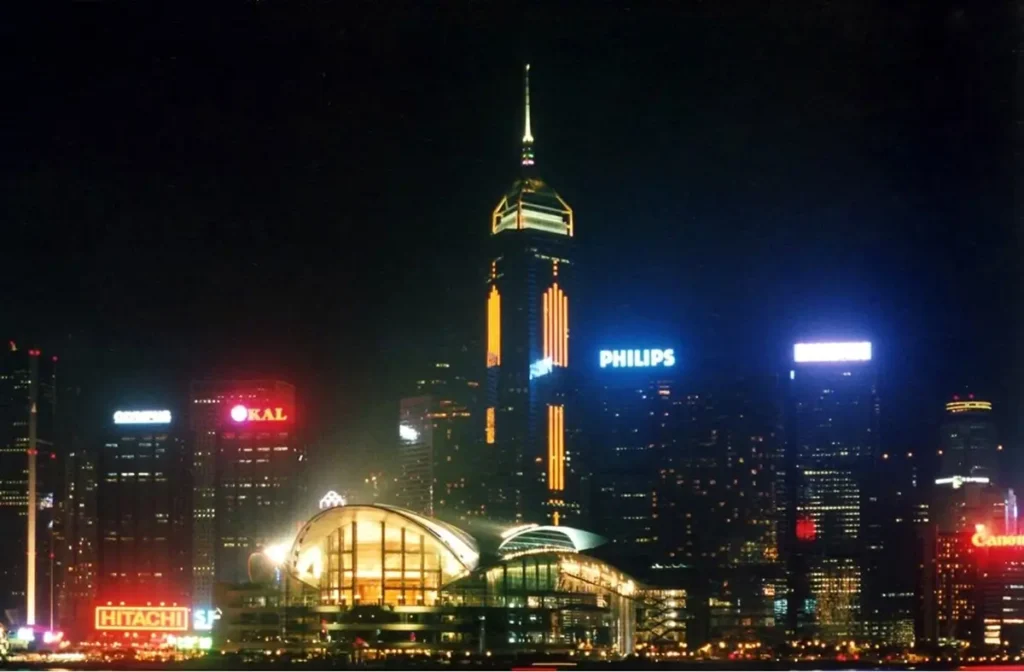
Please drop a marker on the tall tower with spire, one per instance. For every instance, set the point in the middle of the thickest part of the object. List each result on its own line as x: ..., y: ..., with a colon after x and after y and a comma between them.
x: 529, y: 293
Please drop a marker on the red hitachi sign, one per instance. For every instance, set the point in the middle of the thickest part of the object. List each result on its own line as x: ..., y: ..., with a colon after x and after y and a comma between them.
x: 142, y: 619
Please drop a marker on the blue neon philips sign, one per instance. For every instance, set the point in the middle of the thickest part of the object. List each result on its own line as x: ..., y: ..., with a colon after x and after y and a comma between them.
x: 632, y: 359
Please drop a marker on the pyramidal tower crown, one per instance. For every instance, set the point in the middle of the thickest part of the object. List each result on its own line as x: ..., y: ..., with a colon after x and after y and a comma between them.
x: 531, y: 203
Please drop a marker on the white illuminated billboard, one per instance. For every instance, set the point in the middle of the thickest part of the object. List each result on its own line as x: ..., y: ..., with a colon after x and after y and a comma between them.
x: 142, y: 417
x: 832, y: 352
x: 407, y: 433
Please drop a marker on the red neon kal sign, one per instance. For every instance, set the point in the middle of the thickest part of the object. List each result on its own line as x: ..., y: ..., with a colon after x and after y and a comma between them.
x: 982, y: 539
x: 242, y: 413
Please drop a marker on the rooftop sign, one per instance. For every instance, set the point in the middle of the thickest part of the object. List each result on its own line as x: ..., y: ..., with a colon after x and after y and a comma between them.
x: 983, y: 539
x: 832, y: 352
x: 631, y: 359
x: 142, y: 619
x: 142, y: 417
x: 242, y: 413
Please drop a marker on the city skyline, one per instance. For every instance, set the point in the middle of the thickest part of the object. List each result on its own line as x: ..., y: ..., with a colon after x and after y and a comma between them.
x: 705, y: 186
x: 737, y: 337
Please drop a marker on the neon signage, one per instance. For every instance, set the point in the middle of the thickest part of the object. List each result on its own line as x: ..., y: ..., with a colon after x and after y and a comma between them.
x: 630, y: 359
x: 202, y: 619
x: 142, y: 619
x: 832, y: 352
x: 982, y: 539
x: 142, y: 417
x: 541, y: 368
x: 242, y: 413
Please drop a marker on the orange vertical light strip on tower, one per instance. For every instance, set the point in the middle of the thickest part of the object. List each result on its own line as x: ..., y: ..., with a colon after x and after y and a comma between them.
x: 556, y: 325
x: 555, y: 355
x: 551, y: 447
x: 555, y: 312
x: 547, y: 326
x: 489, y: 426
x: 494, y: 328
x: 564, y: 334
x: 561, y: 447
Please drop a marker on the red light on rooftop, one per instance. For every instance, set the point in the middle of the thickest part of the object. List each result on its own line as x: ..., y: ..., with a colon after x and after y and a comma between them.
x: 54, y: 358
x: 970, y: 396
x: 956, y: 397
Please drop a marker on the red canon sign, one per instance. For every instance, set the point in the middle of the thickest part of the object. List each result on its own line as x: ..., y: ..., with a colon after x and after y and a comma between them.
x: 982, y: 538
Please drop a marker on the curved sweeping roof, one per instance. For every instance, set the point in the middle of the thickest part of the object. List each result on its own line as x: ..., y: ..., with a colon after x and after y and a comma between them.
x: 560, y: 538
x: 462, y: 546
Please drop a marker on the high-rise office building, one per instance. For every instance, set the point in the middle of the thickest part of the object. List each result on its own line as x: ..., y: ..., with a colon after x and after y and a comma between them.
x: 416, y: 455
x: 142, y: 513
x: 895, y: 517
x: 528, y: 420
x: 635, y: 434
x: 832, y: 443
x: 968, y: 441
x: 687, y: 487
x: 726, y: 494
x: 76, y: 539
x: 222, y: 478
x: 28, y: 477
x: 249, y: 462
x: 439, y: 452
x: 965, y: 495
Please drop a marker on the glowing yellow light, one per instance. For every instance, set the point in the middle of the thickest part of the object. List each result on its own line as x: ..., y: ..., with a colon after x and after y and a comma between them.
x: 494, y: 328
x: 276, y: 553
x: 489, y: 426
x: 966, y: 406
x: 556, y: 447
x: 556, y: 326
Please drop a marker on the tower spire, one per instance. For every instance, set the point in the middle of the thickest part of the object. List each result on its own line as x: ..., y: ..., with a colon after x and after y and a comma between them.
x: 527, y: 158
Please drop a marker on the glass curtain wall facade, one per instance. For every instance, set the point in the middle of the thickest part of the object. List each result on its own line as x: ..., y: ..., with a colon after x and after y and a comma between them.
x: 360, y: 555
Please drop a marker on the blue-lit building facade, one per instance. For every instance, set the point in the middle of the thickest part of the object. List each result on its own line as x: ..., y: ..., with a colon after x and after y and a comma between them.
x: 687, y: 487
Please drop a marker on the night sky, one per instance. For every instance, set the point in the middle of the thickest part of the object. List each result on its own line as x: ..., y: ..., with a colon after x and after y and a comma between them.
x: 303, y: 189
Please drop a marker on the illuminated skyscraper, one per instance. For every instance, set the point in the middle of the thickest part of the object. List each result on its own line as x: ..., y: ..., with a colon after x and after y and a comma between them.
x: 438, y: 444
x: 143, y: 510
x: 832, y: 442
x: 246, y: 481
x: 968, y: 442
x: 529, y: 302
x: 966, y: 495
x: 28, y: 471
